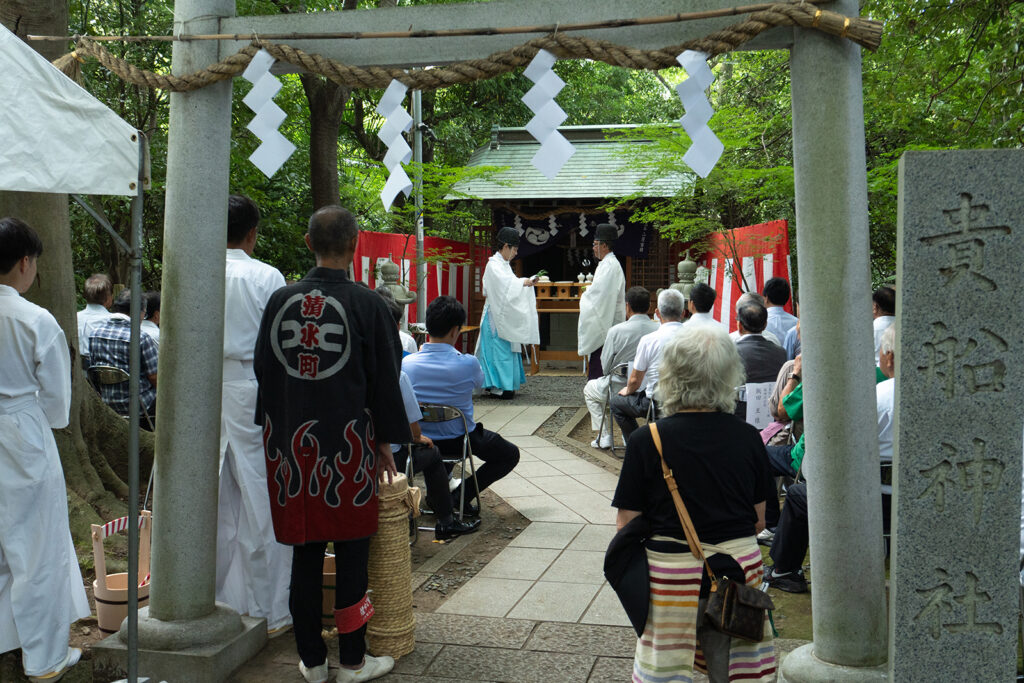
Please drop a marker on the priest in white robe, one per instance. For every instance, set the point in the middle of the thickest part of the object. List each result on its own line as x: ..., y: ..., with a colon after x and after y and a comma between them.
x: 253, y: 569
x: 603, y: 303
x: 41, y: 591
x: 509, y: 319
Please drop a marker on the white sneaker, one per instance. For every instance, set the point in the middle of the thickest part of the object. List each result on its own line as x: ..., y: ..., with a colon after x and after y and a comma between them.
x: 453, y: 483
x: 373, y: 667
x: 765, y: 537
x: 318, y: 674
x: 604, y: 441
x: 74, y: 654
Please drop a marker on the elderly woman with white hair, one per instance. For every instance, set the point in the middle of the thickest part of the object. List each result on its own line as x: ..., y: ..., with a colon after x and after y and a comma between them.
x: 718, y: 461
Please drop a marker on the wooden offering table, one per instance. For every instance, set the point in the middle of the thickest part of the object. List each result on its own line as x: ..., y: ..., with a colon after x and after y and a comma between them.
x: 556, y: 298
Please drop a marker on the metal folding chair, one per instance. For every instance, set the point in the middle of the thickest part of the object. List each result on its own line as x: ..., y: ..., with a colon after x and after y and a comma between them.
x: 617, y: 379
x: 434, y: 412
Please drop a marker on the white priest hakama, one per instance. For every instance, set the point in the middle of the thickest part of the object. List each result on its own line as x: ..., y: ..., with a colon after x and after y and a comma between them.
x: 253, y: 569
x: 602, y: 305
x: 41, y: 591
x: 509, y: 320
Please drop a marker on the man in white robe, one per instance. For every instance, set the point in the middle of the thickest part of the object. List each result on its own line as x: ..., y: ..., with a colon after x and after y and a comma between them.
x: 603, y: 303
x: 883, y: 313
x: 509, y: 319
x: 253, y: 569
x: 41, y: 591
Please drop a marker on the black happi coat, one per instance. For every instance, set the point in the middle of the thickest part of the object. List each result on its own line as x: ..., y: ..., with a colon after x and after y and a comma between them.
x: 327, y: 365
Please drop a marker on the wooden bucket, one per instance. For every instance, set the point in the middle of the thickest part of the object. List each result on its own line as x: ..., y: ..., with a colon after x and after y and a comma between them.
x: 110, y: 591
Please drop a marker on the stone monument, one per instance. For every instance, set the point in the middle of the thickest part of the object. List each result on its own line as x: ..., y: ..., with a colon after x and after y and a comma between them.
x: 686, y: 271
x: 957, y: 452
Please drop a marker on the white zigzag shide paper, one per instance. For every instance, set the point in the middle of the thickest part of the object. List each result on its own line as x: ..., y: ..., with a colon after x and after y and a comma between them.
x: 396, y: 122
x: 274, y: 147
x: 555, y: 149
x: 706, y: 149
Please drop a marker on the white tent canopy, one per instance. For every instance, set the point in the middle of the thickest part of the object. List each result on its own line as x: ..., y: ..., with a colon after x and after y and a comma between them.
x: 56, y: 136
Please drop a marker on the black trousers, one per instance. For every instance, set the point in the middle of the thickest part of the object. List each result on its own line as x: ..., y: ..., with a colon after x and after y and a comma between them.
x: 626, y: 409
x: 594, y: 369
x: 427, y: 459
x: 780, y: 464
x: 792, y: 536
x: 305, y: 600
x: 500, y: 457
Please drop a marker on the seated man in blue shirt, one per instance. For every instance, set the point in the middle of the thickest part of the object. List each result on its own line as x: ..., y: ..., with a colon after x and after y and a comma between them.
x: 442, y: 375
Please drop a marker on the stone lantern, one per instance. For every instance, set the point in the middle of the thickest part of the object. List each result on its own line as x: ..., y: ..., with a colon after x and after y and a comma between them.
x: 686, y: 270
x: 389, y: 272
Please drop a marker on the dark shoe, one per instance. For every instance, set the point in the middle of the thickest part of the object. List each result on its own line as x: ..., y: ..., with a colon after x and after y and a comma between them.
x: 790, y: 582
x: 442, y: 532
x: 508, y: 395
x: 470, y: 510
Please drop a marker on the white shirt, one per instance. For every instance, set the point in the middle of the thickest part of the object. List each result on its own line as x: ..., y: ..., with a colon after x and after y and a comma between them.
x: 152, y: 329
x: 735, y: 336
x: 602, y: 305
x: 885, y: 399
x: 408, y: 342
x: 779, y: 322
x: 880, y: 325
x: 89, y: 318
x: 34, y: 357
x: 703, y: 319
x: 648, y: 352
x: 248, y: 284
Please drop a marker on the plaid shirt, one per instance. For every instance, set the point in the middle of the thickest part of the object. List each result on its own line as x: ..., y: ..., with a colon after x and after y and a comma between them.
x: 109, y: 345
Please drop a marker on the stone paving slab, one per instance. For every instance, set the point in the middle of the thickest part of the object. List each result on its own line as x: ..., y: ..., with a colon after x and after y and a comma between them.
x: 417, y: 661
x: 514, y: 486
x: 609, y: 641
x: 548, y: 535
x: 511, y: 666
x: 466, y: 630
x: 554, y: 601
x: 593, y: 537
x: 486, y: 597
x: 590, y: 505
x: 543, y: 509
x: 606, y: 609
x: 576, y: 566
x: 520, y: 563
x: 554, y: 486
x: 614, y: 670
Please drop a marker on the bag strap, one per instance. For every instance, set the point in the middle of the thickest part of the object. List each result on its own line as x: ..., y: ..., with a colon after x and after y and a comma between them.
x: 684, y: 516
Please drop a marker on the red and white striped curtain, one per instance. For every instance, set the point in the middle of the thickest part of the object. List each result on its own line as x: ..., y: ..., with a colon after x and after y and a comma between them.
x: 442, y: 278
x: 757, y: 252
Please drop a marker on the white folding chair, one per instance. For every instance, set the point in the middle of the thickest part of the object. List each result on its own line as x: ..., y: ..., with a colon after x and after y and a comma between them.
x: 435, y: 412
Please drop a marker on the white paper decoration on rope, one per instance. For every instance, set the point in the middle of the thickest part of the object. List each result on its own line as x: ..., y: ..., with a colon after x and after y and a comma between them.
x: 554, y: 150
x: 583, y: 225
x: 396, y: 122
x: 274, y: 147
x: 706, y: 149
x: 517, y: 223
x: 553, y: 225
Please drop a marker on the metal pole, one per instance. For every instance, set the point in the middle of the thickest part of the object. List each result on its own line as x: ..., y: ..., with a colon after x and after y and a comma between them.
x: 417, y: 156
x: 134, y: 370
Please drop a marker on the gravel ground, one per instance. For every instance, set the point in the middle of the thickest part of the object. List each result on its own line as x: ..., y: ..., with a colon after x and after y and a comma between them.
x: 547, y: 390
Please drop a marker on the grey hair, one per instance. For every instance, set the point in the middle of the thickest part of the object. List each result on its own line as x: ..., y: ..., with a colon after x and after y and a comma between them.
x: 671, y: 304
x: 699, y: 368
x: 888, y: 341
x: 750, y: 297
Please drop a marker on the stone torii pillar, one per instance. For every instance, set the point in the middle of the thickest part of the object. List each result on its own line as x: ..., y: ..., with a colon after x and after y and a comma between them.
x: 844, y: 489
x: 183, y: 634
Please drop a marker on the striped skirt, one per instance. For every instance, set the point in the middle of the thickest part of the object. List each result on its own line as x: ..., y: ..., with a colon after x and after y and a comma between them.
x: 669, y: 651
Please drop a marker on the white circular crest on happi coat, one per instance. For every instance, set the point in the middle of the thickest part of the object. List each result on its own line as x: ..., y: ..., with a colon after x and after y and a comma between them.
x: 338, y: 358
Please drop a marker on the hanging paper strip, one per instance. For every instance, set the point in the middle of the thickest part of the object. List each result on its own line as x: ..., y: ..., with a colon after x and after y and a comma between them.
x: 274, y: 147
x: 396, y: 122
x: 554, y: 150
x: 706, y: 148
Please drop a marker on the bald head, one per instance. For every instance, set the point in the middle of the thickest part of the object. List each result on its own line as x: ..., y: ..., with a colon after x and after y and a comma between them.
x: 333, y: 232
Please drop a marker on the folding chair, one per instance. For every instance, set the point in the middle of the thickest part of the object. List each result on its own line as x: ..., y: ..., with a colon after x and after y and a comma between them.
x: 434, y: 412
x: 617, y: 379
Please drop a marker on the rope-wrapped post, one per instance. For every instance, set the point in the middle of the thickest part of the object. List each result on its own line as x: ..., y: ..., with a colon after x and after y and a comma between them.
x: 392, y: 630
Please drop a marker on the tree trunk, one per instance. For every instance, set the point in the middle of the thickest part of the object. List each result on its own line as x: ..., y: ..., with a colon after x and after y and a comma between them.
x: 326, y: 106
x: 94, y: 446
